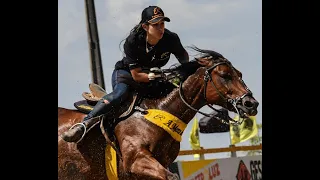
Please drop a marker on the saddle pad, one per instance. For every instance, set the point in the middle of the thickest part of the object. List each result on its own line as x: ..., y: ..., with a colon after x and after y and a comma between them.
x: 111, y: 163
x: 83, y: 106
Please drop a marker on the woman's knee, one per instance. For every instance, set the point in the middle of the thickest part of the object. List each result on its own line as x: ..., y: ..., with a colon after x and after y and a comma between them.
x: 121, y: 90
x: 119, y: 94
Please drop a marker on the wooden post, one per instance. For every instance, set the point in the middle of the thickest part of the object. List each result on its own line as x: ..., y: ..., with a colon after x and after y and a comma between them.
x: 233, y: 152
x: 201, y: 155
x: 93, y: 39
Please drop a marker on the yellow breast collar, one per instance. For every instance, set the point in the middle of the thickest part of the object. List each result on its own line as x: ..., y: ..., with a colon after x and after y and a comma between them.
x: 170, y: 123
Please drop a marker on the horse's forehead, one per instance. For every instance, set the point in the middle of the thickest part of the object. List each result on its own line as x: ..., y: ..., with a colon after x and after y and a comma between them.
x: 228, y: 67
x: 223, y: 67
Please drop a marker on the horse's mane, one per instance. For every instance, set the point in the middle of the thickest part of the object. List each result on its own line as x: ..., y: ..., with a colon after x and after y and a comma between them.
x: 182, y: 71
x: 186, y: 69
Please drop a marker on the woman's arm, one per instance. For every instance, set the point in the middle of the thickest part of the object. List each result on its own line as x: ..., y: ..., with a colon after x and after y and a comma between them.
x: 179, y: 51
x: 138, y: 75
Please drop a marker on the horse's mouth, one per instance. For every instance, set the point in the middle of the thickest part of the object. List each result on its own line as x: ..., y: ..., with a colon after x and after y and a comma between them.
x: 244, y: 112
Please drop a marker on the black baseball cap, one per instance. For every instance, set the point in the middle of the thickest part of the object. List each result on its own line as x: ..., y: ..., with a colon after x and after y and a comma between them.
x: 152, y: 15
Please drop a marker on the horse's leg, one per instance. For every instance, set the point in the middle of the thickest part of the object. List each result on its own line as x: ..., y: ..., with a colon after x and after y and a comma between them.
x: 147, y: 167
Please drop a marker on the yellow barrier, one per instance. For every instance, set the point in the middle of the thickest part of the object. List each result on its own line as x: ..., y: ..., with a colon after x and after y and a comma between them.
x: 219, y: 150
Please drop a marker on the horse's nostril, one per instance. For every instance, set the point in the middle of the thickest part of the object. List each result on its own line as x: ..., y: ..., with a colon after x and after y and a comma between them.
x: 248, y: 104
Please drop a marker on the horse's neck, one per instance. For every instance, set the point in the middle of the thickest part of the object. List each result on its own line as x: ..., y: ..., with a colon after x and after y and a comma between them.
x: 192, y: 90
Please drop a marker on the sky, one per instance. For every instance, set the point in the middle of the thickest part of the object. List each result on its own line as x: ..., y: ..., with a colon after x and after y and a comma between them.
x: 230, y: 27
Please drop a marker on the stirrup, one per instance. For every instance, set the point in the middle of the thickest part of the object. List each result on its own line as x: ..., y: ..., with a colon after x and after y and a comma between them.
x: 85, y: 130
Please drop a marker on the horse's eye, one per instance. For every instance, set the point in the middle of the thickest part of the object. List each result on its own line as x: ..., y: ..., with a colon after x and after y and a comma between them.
x: 226, y: 76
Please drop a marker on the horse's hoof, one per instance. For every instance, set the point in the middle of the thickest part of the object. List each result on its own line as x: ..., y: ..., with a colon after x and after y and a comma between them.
x: 74, y: 134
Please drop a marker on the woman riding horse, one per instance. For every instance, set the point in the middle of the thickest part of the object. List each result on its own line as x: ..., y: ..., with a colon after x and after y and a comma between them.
x: 148, y: 45
x: 149, y: 142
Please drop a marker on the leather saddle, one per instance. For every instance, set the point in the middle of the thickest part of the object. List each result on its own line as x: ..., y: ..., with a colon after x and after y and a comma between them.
x: 96, y: 93
x: 115, y: 115
x: 128, y: 107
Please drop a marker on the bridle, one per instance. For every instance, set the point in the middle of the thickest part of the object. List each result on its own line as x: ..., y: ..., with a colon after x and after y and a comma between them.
x: 233, y: 101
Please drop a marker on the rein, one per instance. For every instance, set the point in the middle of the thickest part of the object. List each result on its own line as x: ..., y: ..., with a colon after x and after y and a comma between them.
x: 208, y: 78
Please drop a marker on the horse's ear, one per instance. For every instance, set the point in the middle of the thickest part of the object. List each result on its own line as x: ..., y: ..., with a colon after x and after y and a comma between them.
x: 205, y: 61
x: 210, y: 61
x: 208, y: 58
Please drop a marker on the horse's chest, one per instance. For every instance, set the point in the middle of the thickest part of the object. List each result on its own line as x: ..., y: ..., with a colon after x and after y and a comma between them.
x: 167, y: 153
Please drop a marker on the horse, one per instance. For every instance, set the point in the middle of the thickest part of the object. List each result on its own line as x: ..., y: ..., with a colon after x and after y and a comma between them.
x: 147, y: 140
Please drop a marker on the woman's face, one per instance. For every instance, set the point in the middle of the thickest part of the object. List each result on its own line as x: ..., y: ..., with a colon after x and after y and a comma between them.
x: 155, y: 30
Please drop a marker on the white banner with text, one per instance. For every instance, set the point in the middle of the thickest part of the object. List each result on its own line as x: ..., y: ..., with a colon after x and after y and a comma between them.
x: 237, y: 168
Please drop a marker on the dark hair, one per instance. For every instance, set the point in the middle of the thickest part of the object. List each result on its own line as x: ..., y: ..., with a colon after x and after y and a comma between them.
x: 151, y: 14
x: 137, y: 33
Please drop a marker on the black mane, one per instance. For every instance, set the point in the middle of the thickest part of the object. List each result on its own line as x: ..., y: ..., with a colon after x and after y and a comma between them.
x: 187, y: 69
x: 160, y: 89
x: 215, y: 55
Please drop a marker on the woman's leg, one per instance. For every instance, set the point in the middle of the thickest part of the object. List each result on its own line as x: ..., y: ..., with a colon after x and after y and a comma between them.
x: 103, y: 106
x: 113, y: 99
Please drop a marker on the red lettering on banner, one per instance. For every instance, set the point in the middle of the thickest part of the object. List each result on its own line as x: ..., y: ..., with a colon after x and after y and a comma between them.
x: 243, y: 172
x: 199, y: 176
x: 214, y: 171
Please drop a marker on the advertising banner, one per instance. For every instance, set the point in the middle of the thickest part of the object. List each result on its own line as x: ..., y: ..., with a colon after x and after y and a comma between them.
x: 238, y: 168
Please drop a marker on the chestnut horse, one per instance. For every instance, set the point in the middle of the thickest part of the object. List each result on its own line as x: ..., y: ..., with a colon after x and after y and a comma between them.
x: 146, y: 150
